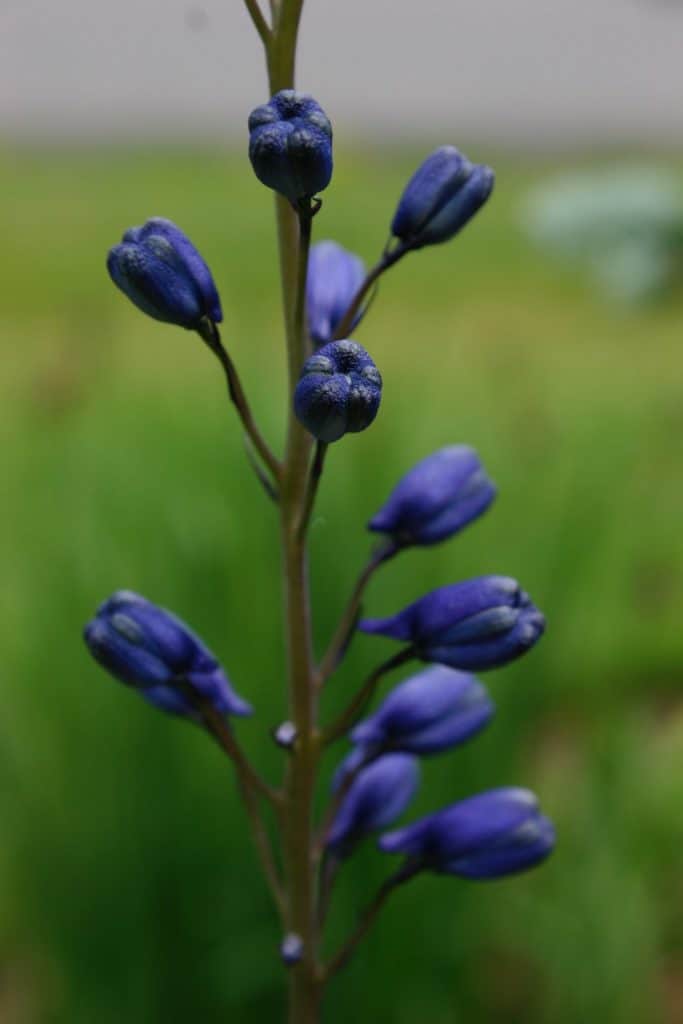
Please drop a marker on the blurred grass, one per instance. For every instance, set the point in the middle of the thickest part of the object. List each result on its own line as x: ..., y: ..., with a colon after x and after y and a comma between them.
x: 128, y: 890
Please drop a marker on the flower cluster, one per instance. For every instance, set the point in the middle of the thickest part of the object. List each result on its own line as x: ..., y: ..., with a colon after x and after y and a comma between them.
x: 475, y: 625
x: 463, y: 627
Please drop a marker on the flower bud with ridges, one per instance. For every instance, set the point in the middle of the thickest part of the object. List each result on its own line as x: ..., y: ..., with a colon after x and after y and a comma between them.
x: 478, y: 624
x: 290, y: 145
x: 441, y: 197
x: 150, y: 649
x: 436, y: 499
x: 339, y: 391
x: 161, y: 272
x: 434, y: 710
x: 490, y: 835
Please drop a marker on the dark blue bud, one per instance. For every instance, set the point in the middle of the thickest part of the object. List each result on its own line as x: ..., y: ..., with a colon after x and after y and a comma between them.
x: 478, y: 624
x: 339, y: 391
x: 291, y: 949
x: 334, y: 277
x: 290, y: 145
x: 377, y: 796
x: 149, y: 648
x: 160, y: 270
x: 436, y: 498
x: 441, y: 197
x: 500, y: 832
x: 435, y: 710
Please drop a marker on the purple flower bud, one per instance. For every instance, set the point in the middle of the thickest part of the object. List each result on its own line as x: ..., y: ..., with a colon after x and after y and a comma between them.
x: 479, y: 624
x: 334, y: 277
x: 436, y: 498
x: 160, y: 270
x: 432, y: 711
x: 149, y: 648
x: 376, y: 797
x: 290, y: 145
x: 441, y: 197
x: 339, y: 391
x: 500, y: 832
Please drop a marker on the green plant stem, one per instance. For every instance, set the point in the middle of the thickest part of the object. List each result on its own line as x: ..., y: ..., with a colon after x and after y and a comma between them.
x: 293, y: 233
x: 211, y: 336
x: 344, y: 632
x: 260, y: 23
x: 312, y: 489
x: 368, y: 917
x: 251, y: 787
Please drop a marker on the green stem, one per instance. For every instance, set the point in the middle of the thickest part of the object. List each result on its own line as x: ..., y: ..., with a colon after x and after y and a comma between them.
x: 210, y: 334
x: 305, y: 988
x: 260, y: 23
x: 368, y: 917
x: 251, y: 787
x: 312, y: 489
x: 344, y: 632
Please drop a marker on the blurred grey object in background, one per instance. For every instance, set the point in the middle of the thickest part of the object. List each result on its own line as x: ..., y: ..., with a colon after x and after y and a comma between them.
x: 625, y: 223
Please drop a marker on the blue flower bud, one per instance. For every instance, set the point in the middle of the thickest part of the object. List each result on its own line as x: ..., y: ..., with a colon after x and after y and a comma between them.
x: 377, y: 796
x: 290, y: 145
x: 149, y: 648
x: 432, y: 711
x: 160, y: 270
x: 436, y: 498
x: 339, y: 391
x: 334, y: 277
x: 500, y: 832
x: 441, y: 197
x: 479, y: 624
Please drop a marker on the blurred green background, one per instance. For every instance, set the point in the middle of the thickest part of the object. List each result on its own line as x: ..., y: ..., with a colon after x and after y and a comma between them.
x: 128, y: 886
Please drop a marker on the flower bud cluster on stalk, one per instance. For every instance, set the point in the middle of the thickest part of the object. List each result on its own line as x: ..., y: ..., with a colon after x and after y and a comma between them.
x: 460, y: 628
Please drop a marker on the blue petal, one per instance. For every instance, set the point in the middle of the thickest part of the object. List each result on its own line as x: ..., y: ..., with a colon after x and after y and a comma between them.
x: 455, y: 214
x: 154, y: 285
x: 193, y: 262
x: 334, y: 277
x: 436, y: 179
x: 130, y: 663
x: 429, y: 712
x: 378, y: 795
x: 523, y: 848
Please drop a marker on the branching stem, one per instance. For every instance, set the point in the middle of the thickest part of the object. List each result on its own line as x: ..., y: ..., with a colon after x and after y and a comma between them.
x: 251, y: 786
x: 368, y: 918
x: 260, y: 23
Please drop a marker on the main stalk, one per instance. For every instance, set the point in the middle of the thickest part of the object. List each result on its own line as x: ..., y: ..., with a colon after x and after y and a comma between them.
x: 305, y: 986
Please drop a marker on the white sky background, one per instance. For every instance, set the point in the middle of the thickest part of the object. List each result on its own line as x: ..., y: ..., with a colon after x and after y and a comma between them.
x: 534, y: 70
